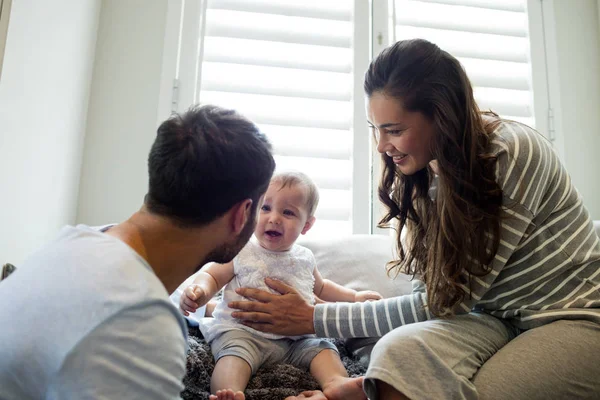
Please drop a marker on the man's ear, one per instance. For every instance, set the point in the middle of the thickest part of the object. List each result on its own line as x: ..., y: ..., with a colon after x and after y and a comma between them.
x: 241, y: 212
x: 309, y: 223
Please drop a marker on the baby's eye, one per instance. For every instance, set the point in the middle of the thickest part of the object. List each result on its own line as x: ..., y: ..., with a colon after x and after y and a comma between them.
x: 265, y: 208
x: 289, y: 213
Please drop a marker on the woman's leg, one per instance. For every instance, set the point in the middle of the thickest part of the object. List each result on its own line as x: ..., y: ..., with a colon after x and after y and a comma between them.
x: 560, y: 360
x: 435, y: 359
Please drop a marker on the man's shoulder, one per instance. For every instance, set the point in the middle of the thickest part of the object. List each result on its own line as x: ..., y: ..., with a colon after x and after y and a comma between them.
x: 86, y: 282
x: 151, y: 322
x: 140, y: 351
x: 80, y: 279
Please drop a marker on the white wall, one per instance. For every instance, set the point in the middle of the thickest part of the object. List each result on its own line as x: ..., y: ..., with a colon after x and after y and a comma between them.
x: 44, y: 93
x: 578, y: 49
x: 123, y: 109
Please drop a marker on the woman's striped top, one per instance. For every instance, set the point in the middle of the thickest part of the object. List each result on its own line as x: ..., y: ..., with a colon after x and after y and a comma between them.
x: 547, y: 266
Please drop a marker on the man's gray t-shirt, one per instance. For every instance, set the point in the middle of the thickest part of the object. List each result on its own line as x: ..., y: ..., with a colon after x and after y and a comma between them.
x: 86, y: 317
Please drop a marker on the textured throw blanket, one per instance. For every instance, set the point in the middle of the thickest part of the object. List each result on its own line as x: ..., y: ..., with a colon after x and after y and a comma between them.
x: 270, y: 383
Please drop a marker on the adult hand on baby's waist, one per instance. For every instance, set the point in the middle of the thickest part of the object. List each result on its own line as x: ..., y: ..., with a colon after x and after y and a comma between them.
x: 287, y: 314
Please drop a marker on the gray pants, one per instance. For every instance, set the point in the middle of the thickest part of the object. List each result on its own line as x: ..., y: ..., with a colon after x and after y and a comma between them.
x: 258, y: 351
x: 452, y: 359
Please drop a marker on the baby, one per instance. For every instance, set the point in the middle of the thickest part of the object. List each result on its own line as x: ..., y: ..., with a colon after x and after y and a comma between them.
x: 287, y: 211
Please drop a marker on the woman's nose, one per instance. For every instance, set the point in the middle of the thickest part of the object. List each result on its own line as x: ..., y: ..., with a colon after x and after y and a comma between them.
x: 382, y: 144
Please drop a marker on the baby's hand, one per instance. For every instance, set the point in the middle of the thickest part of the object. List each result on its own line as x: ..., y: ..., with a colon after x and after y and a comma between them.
x: 192, y: 298
x: 366, y: 295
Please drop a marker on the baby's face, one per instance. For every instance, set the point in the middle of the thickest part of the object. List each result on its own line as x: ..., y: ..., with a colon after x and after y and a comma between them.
x: 282, y: 217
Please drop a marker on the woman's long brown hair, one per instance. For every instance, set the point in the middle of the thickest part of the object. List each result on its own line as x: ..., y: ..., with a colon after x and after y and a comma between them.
x: 455, y: 235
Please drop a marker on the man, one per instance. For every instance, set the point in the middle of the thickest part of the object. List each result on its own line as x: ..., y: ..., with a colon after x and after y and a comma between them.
x: 89, y: 313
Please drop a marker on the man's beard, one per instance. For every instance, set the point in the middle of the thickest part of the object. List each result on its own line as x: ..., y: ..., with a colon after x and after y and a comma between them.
x: 227, y: 251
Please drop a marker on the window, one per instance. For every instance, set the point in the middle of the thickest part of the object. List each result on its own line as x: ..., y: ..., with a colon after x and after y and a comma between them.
x: 295, y: 67
x: 489, y: 38
x: 290, y: 66
x: 287, y: 65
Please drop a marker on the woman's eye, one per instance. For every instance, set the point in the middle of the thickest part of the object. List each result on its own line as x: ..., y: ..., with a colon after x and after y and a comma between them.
x: 394, y: 132
x: 374, y: 132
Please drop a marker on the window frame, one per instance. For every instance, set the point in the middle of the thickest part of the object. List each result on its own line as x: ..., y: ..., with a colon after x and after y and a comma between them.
x: 182, y: 55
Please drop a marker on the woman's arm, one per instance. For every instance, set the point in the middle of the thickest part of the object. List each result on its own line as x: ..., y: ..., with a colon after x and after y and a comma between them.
x: 290, y: 314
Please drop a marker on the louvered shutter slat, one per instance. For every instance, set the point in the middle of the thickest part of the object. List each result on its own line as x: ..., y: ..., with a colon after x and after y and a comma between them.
x: 287, y: 65
x: 278, y: 28
x: 277, y: 54
x: 490, y: 39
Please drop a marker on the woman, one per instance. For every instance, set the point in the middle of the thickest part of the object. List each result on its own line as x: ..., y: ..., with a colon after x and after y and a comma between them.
x: 504, y: 248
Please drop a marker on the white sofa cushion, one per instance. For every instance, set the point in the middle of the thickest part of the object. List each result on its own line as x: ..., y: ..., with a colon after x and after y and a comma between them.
x: 354, y: 261
x: 358, y: 262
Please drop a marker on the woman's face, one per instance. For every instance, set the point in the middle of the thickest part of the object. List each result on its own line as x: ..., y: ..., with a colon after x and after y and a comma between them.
x: 402, y: 135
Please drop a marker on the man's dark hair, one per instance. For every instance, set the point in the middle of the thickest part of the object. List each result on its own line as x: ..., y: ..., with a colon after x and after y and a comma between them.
x: 203, y: 162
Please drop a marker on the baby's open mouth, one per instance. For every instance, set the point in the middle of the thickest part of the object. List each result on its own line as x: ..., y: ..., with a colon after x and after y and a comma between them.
x: 273, y: 233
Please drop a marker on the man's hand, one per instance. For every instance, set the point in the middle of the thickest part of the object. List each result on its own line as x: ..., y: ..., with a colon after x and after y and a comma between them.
x: 366, y: 295
x: 192, y: 298
x: 286, y: 314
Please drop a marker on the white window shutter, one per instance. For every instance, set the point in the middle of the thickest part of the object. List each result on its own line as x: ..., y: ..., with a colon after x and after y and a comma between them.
x: 490, y: 39
x: 287, y: 65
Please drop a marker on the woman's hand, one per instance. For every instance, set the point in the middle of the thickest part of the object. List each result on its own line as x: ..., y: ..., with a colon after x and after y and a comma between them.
x: 286, y: 314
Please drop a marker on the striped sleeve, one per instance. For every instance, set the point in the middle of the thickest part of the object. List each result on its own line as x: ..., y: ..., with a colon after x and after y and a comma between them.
x: 523, y: 166
x: 369, y: 319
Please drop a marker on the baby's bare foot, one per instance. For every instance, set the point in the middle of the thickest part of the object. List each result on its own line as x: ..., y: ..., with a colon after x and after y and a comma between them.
x: 345, y: 389
x: 227, y: 394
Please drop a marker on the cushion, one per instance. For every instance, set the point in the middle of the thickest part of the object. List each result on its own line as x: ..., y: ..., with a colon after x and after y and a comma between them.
x: 358, y: 262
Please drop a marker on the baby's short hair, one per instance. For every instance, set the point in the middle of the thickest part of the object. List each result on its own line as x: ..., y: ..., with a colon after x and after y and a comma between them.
x: 291, y: 178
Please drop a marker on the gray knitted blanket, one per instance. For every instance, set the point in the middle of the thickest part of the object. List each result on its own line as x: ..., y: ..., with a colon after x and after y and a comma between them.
x: 270, y: 383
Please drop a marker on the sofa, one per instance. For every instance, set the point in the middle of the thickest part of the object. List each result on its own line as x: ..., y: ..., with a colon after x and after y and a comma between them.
x: 356, y: 261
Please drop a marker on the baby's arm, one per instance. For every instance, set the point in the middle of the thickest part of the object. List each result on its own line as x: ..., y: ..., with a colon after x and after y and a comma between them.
x: 330, y: 291
x: 208, y: 282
